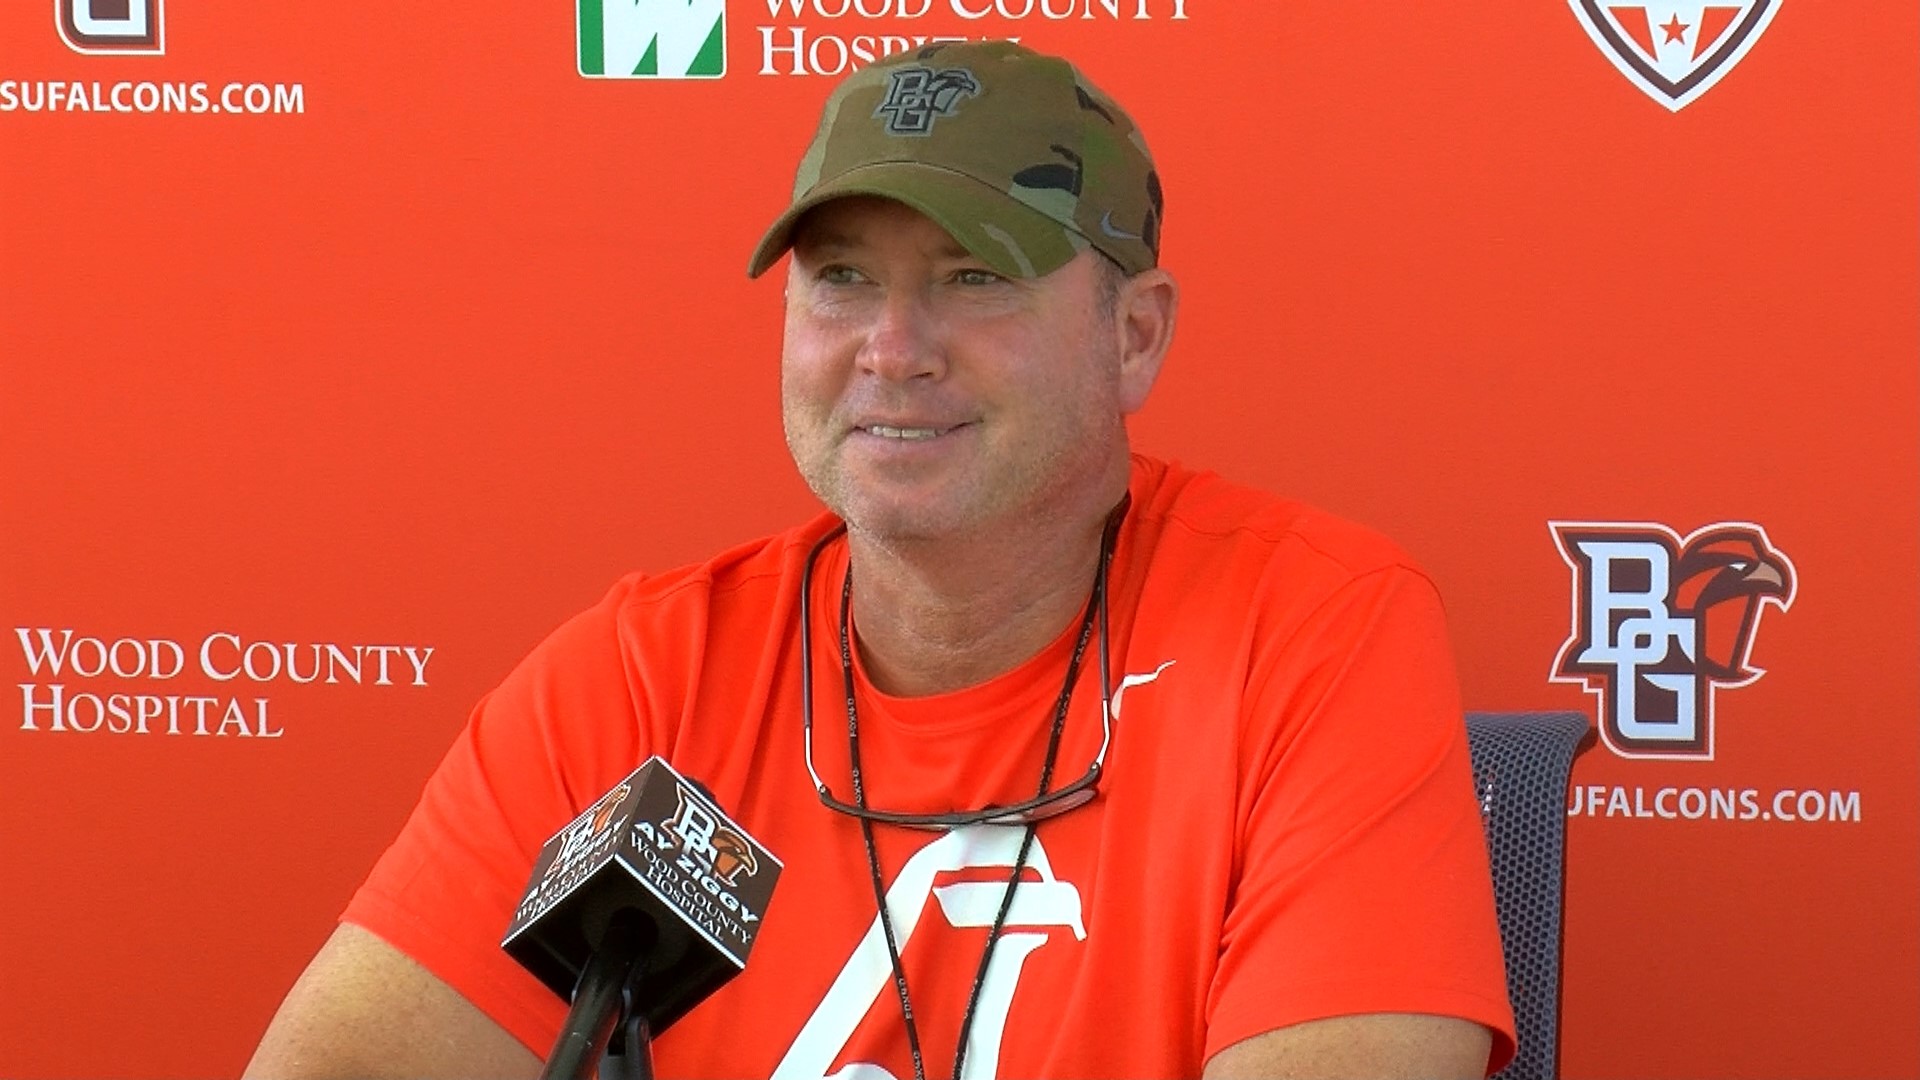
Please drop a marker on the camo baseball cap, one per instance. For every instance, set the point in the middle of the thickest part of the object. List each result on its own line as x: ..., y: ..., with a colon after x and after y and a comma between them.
x: 1016, y: 154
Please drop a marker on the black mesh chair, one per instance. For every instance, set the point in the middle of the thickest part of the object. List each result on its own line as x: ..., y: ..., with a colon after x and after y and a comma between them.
x: 1521, y: 764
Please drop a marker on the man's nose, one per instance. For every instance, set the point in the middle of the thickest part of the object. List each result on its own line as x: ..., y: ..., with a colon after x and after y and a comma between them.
x: 903, y: 341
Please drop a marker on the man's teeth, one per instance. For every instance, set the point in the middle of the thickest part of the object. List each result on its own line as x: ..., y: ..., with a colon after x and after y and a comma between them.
x: 903, y: 433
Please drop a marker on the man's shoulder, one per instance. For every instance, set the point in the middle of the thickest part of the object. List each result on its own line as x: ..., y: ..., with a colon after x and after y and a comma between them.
x: 1203, y: 511
x: 752, y: 576
x: 672, y: 616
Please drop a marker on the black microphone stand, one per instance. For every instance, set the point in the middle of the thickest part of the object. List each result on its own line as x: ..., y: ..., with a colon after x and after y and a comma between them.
x: 604, y: 1023
x: 629, y: 1055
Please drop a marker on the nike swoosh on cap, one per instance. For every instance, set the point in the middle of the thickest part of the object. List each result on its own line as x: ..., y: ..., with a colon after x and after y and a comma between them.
x: 1107, y: 226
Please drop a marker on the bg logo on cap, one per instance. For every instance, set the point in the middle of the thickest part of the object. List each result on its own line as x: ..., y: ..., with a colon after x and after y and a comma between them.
x: 1660, y: 623
x: 652, y: 39
x: 111, y: 26
x: 917, y: 95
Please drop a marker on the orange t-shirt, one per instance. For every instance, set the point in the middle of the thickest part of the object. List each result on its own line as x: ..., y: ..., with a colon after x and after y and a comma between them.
x: 1285, y: 829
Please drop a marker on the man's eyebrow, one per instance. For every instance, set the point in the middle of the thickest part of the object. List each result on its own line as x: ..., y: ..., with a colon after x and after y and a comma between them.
x: 954, y: 249
x: 831, y: 242
x: 816, y: 239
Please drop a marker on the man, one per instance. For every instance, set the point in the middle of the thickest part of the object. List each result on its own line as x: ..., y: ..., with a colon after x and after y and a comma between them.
x: 1187, y: 760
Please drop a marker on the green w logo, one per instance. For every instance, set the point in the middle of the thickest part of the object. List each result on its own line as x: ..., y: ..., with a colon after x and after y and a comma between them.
x: 653, y: 39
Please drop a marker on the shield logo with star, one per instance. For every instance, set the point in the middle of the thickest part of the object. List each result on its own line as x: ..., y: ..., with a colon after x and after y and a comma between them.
x: 1674, y: 51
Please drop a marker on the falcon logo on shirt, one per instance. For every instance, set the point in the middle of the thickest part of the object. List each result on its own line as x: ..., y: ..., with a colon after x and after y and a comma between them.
x: 923, y: 909
x: 1674, y: 51
x: 1660, y: 623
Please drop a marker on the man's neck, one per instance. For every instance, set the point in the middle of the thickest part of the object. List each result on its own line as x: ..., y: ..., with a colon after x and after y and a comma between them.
x: 937, y: 616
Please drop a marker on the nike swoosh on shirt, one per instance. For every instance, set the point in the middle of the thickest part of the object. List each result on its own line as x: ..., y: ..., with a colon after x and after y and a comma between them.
x: 1135, y: 680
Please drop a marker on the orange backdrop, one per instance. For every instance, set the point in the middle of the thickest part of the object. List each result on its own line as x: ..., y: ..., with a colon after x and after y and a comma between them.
x: 384, y: 329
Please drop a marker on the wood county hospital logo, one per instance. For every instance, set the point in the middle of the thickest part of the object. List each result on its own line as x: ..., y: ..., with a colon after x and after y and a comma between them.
x: 652, y: 39
x: 1660, y: 623
x: 1674, y: 51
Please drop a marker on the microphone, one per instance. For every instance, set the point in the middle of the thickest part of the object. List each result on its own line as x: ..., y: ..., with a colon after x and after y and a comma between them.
x: 637, y: 910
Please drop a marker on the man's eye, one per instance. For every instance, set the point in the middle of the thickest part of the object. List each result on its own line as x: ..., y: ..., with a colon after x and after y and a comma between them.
x: 976, y: 276
x: 840, y: 275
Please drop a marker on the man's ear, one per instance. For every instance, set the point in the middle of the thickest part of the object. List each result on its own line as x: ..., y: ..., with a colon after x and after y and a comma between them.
x: 1144, y: 314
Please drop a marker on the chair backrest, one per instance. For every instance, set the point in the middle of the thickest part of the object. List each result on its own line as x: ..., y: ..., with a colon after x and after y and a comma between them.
x: 1521, y: 764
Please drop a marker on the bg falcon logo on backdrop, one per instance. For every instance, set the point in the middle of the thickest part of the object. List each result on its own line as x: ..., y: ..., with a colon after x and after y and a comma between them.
x: 121, y: 28
x: 1660, y: 623
x: 1672, y: 50
x: 111, y: 26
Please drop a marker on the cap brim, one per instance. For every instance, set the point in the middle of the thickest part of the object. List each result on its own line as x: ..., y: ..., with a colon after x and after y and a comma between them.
x: 1009, y: 236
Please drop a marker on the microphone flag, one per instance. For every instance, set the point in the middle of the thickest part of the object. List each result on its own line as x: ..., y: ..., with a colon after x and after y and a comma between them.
x: 659, y: 845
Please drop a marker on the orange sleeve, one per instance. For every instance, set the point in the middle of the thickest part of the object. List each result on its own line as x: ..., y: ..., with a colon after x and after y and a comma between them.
x: 1362, y: 881
x: 444, y: 892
